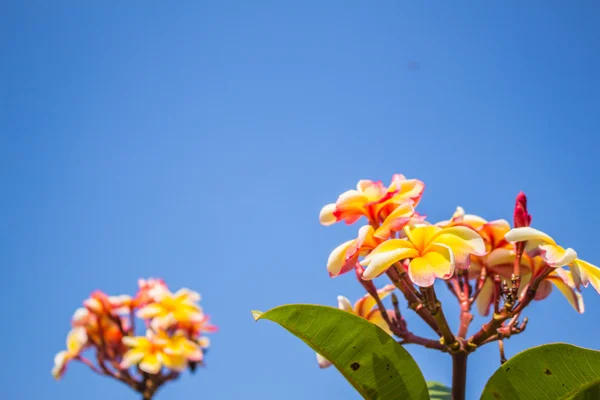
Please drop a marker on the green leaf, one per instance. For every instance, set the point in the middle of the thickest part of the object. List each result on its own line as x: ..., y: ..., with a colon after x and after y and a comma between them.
x: 438, y: 391
x: 369, y: 358
x: 553, y: 371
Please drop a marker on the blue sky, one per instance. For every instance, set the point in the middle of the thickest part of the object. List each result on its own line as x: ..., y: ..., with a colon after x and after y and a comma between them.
x: 197, y: 142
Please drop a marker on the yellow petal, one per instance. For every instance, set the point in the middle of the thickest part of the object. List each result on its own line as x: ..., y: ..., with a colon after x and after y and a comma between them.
x: 175, y: 362
x: 372, y: 190
x: 406, y: 188
x: 137, y: 341
x: 150, y: 363
x: 344, y: 304
x: 351, y: 205
x: 395, y: 221
x: 376, y: 318
x: 365, y: 304
x: 586, y: 273
x: 187, y: 295
x: 437, y: 263
x: 473, y: 221
x: 533, y: 237
x: 364, y: 243
x: 149, y: 311
x: 337, y: 258
x: 421, y: 236
x: 60, y: 362
x: 76, y: 340
x: 557, y: 256
x: 568, y: 290
x: 386, y: 254
x: 493, y: 232
x: 163, y: 322
x: 326, y: 216
x: 461, y: 239
x: 132, y: 357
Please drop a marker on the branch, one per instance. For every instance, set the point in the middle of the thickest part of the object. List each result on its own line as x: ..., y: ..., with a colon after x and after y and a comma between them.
x: 480, y: 283
x: 414, y: 303
x: 410, y: 338
x: 435, y: 308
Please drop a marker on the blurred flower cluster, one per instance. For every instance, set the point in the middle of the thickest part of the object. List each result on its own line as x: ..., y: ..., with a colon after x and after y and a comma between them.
x: 104, y: 336
x: 487, y: 263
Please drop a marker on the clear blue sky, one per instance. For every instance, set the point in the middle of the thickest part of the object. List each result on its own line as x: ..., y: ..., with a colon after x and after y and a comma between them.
x: 198, y: 141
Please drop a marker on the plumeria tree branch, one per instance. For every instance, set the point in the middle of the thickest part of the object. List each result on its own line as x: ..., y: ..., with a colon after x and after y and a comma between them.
x: 435, y: 308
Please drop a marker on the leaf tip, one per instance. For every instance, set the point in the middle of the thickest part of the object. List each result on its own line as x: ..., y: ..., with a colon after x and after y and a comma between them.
x: 256, y: 314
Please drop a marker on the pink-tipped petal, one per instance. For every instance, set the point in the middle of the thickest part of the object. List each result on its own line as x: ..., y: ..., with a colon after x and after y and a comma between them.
x: 556, y: 256
x: 585, y: 273
x: 326, y: 216
x: 323, y: 362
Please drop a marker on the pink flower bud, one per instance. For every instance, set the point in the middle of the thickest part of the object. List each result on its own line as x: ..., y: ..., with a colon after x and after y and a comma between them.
x: 521, y: 217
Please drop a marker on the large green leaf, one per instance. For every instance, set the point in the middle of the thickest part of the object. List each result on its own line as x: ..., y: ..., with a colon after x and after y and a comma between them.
x: 439, y: 391
x: 553, y: 371
x: 370, y: 359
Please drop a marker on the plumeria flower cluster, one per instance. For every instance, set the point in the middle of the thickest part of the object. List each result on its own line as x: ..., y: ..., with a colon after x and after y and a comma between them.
x: 169, y: 340
x: 497, y: 267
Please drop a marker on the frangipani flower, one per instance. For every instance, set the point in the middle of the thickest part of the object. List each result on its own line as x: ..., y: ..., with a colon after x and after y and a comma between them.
x: 169, y: 308
x: 106, y: 327
x: 365, y: 307
x: 76, y: 341
x: 434, y: 253
x: 537, y: 242
x: 372, y: 200
x: 563, y: 280
x: 154, y: 351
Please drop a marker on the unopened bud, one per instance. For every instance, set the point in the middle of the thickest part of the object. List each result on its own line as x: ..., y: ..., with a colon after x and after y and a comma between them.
x: 521, y: 216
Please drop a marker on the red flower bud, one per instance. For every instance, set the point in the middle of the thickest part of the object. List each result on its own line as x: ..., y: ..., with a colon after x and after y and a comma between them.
x: 521, y: 216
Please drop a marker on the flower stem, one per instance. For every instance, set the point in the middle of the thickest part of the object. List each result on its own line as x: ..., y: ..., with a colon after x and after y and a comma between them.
x: 435, y: 308
x: 459, y: 375
x: 414, y: 303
